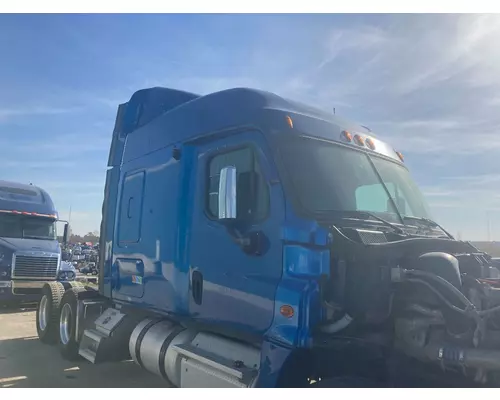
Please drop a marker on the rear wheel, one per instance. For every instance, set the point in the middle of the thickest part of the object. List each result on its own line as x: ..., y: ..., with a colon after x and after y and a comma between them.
x: 47, y: 312
x: 68, y: 335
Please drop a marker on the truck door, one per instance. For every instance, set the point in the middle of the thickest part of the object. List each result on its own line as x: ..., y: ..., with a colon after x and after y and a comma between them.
x: 227, y: 284
x: 130, y: 268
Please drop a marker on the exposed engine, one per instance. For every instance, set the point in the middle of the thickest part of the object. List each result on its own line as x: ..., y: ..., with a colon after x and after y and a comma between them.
x: 437, y: 299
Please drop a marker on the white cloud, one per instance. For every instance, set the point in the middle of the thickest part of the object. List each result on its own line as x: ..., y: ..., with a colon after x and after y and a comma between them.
x: 10, y: 113
x: 481, y: 179
x: 358, y: 38
x: 68, y: 145
x: 82, y: 185
x: 436, y: 192
x: 450, y: 137
x: 465, y: 192
x: 37, y: 165
x: 495, y: 101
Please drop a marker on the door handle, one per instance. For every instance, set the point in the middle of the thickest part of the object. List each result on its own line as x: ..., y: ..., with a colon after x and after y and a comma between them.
x: 197, y: 287
x: 253, y: 243
x: 128, y: 207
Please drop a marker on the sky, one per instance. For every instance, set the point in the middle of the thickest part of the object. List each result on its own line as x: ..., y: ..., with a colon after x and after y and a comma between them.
x: 429, y: 84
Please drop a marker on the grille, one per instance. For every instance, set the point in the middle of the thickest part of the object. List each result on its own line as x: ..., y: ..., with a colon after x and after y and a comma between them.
x: 35, y: 267
x: 371, y: 237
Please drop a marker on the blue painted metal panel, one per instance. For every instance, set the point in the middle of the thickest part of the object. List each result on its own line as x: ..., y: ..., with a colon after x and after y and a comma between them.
x: 302, y: 262
x: 232, y: 108
x: 305, y: 258
x: 28, y: 198
x: 129, y: 224
x: 238, y: 289
x: 130, y: 273
x: 164, y: 237
x: 178, y: 240
x: 109, y: 208
x: 252, y: 289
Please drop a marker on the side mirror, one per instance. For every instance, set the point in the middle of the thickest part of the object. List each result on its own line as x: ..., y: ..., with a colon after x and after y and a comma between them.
x: 66, y: 234
x: 227, y: 193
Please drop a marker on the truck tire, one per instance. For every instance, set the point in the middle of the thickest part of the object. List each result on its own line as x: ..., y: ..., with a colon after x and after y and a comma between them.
x: 68, y: 344
x: 68, y: 285
x: 47, y: 312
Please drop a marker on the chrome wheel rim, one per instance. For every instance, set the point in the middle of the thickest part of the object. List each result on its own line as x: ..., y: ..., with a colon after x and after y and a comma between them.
x: 43, y: 313
x: 65, y: 324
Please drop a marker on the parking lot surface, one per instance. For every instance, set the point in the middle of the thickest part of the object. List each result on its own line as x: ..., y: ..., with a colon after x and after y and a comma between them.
x: 26, y: 362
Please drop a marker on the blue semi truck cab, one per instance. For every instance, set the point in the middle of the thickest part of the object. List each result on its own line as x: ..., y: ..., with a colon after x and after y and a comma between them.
x: 248, y: 240
x: 30, y: 253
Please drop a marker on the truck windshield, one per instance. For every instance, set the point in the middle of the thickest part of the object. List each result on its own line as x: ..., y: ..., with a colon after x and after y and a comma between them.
x: 23, y: 227
x: 331, y: 177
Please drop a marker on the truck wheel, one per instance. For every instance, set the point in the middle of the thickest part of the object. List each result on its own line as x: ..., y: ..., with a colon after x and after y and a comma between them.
x: 68, y: 285
x: 68, y: 343
x: 47, y: 312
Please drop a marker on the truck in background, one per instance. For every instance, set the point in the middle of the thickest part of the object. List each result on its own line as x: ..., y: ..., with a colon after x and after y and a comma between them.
x: 30, y: 253
x: 251, y: 241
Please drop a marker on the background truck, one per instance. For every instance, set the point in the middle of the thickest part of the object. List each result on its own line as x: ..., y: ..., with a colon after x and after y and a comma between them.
x: 252, y: 241
x: 30, y: 254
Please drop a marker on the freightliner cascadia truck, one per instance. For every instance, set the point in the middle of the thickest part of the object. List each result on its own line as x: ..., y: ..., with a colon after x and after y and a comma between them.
x: 30, y: 254
x: 248, y: 240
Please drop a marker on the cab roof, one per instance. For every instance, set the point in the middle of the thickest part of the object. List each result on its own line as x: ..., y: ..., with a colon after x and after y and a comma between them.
x: 157, y: 117
x: 25, y: 198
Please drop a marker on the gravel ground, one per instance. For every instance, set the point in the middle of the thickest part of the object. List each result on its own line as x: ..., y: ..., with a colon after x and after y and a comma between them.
x: 26, y: 362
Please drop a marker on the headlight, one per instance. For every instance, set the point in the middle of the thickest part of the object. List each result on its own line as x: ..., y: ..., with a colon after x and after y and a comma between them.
x: 67, y: 275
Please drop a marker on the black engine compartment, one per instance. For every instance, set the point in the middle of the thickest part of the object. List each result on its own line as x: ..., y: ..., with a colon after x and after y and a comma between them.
x: 436, y: 300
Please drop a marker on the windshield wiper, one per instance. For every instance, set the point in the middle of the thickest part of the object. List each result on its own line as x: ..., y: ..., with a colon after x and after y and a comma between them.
x: 366, y: 214
x: 381, y: 181
x: 429, y: 223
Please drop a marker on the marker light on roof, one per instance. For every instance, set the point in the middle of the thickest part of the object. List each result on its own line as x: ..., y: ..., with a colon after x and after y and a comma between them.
x: 370, y: 143
x: 289, y: 121
x: 345, y: 135
x: 28, y: 213
x: 400, y: 156
x: 359, y: 140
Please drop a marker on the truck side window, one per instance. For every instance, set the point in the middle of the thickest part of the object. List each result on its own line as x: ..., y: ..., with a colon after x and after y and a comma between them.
x: 252, y: 206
